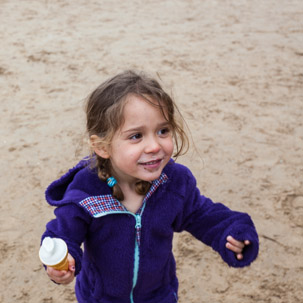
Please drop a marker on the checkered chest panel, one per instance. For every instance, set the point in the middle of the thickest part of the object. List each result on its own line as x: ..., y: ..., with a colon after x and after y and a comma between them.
x: 99, y: 206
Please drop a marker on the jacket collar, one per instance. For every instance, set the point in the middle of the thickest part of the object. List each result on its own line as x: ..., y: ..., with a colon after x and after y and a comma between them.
x: 99, y: 206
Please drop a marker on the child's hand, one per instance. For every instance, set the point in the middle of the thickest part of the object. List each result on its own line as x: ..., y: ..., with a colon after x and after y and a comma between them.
x: 63, y: 276
x: 236, y: 246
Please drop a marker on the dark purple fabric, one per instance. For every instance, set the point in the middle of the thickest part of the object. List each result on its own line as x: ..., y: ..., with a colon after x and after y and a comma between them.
x: 105, y: 269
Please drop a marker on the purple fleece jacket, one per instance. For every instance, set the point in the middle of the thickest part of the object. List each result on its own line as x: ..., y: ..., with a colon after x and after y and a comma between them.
x: 127, y: 258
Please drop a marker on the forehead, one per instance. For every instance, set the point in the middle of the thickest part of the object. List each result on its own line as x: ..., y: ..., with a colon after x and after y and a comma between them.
x: 137, y: 102
x: 138, y: 108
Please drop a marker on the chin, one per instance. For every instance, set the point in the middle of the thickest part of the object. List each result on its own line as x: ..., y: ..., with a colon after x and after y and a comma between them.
x: 152, y: 178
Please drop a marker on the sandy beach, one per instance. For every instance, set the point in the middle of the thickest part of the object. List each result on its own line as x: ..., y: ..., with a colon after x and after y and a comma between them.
x: 235, y: 69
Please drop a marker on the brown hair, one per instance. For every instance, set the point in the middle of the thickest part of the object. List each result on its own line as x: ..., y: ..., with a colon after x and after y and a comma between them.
x: 104, y: 113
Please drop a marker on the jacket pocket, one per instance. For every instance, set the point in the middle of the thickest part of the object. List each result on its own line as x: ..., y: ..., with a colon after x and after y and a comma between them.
x: 96, y: 285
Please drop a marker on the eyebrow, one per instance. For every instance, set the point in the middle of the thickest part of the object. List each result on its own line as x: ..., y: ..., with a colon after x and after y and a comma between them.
x: 140, y: 128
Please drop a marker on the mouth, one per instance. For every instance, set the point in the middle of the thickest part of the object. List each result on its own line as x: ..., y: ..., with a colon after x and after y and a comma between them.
x: 151, y: 164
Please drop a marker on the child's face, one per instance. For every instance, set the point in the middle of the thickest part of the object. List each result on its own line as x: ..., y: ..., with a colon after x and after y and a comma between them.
x: 143, y: 145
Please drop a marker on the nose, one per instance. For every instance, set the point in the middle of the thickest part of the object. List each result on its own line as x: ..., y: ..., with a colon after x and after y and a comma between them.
x: 152, y: 145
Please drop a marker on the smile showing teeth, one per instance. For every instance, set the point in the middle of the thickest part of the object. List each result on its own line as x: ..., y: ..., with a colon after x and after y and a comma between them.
x: 151, y: 162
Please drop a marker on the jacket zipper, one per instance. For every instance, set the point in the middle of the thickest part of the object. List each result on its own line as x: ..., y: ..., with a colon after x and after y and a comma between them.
x: 136, y: 256
x: 137, y: 250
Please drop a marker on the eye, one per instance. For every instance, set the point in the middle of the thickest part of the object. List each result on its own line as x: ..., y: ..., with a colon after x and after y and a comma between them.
x: 136, y: 136
x: 164, y: 131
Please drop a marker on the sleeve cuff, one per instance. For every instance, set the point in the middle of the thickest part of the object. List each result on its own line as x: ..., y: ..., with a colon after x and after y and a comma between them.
x: 250, y: 252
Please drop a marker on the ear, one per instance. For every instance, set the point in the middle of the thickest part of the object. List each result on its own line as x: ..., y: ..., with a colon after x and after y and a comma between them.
x: 99, y: 147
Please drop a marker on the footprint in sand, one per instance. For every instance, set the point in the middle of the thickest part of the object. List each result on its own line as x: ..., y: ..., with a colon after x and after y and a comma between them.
x: 293, y: 207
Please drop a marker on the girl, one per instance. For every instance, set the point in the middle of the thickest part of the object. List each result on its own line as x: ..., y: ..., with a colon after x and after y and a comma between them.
x: 126, y: 200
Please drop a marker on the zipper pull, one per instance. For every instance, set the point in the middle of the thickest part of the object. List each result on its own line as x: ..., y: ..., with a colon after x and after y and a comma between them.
x: 138, y: 221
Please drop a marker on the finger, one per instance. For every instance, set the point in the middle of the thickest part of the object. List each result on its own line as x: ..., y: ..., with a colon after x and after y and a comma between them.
x: 71, y: 263
x: 239, y: 256
x: 235, y: 249
x: 235, y: 242
x: 67, y: 278
x: 71, y: 268
x: 247, y: 242
x: 55, y: 273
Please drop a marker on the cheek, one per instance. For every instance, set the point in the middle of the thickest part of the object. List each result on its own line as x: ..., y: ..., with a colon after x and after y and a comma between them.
x: 169, y: 147
x: 129, y: 152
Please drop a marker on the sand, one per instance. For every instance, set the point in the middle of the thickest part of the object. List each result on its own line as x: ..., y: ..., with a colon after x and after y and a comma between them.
x: 235, y: 69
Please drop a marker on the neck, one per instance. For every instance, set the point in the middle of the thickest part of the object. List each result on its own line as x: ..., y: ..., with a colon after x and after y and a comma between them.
x: 132, y: 200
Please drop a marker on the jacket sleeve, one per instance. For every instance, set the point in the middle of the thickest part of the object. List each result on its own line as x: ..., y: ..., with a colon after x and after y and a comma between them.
x: 212, y: 222
x: 71, y: 225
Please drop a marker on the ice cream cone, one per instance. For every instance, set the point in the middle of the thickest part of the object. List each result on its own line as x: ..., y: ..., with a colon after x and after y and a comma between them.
x: 53, y: 252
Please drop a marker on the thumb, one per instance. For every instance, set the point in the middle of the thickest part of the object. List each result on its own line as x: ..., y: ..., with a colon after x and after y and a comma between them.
x: 71, y: 263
